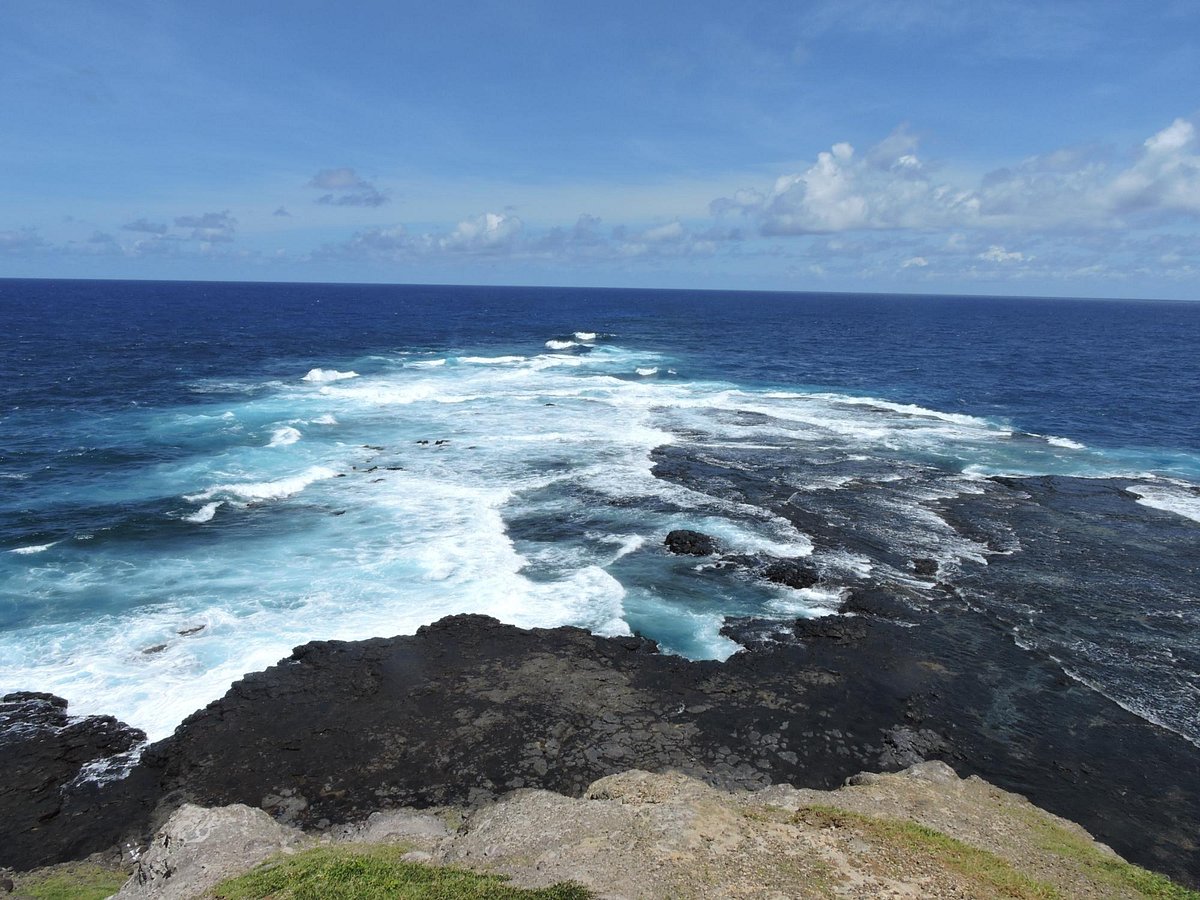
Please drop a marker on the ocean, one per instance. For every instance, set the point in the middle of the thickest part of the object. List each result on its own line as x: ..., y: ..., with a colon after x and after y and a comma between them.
x: 197, y: 477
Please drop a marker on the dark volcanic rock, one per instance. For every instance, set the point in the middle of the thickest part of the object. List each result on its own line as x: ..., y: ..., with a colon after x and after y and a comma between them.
x: 690, y: 543
x: 792, y: 573
x: 48, y: 812
x: 925, y: 567
x: 469, y: 708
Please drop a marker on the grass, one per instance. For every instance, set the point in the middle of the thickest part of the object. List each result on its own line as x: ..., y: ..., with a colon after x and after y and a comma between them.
x: 337, y: 873
x: 76, y: 881
x: 1101, y: 867
x: 986, y: 871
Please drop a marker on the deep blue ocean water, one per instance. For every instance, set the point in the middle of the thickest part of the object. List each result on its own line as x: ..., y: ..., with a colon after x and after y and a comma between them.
x: 195, y: 477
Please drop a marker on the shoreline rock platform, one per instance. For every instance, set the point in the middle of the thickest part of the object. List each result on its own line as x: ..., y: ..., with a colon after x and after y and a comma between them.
x: 468, y: 710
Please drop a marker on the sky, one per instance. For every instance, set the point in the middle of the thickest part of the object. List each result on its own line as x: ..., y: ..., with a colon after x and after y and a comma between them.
x: 927, y: 146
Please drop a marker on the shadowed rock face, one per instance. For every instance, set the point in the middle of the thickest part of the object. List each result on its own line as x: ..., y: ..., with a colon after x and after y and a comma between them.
x: 468, y: 709
x: 48, y: 811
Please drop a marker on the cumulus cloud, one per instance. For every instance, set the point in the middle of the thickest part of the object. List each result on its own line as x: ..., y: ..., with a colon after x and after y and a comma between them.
x: 887, y: 188
x: 486, y: 233
x: 892, y: 188
x: 211, y: 227
x: 346, y: 188
x: 142, y: 225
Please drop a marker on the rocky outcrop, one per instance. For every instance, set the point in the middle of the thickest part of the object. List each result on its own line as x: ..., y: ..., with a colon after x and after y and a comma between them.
x: 54, y: 766
x: 198, y: 848
x: 921, y: 832
x: 791, y: 573
x: 685, y: 542
x: 468, y: 710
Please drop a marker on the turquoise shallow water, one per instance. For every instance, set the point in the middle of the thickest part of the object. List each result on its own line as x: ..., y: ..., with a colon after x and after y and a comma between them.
x: 280, y: 463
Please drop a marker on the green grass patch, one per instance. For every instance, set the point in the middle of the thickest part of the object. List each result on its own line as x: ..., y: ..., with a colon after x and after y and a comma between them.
x: 359, y: 873
x: 986, y: 871
x: 75, y: 881
x: 1099, y: 866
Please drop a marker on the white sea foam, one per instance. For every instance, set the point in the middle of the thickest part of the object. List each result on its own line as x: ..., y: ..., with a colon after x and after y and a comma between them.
x: 264, y: 490
x: 1066, y: 443
x: 560, y: 345
x: 33, y: 548
x: 323, y: 375
x: 285, y: 436
x: 586, y: 336
x: 204, y: 513
x: 492, y: 360
x: 810, y: 603
x: 559, y: 440
x: 1169, y: 497
x: 647, y: 370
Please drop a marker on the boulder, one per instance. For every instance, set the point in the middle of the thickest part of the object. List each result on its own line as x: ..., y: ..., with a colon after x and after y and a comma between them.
x: 684, y: 542
x: 925, y: 567
x: 198, y: 848
x: 792, y: 573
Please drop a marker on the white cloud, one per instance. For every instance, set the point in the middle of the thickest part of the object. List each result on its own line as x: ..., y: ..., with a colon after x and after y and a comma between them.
x: 672, y: 231
x: 918, y: 262
x: 488, y: 232
x: 891, y: 188
x: 998, y: 254
x: 888, y: 188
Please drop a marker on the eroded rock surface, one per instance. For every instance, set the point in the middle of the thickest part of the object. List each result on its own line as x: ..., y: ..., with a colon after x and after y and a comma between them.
x: 198, y: 848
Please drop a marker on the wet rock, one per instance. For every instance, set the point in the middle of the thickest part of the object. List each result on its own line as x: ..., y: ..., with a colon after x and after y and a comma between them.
x: 792, y: 573
x: 925, y: 567
x: 195, y: 629
x: 685, y: 542
x: 156, y: 648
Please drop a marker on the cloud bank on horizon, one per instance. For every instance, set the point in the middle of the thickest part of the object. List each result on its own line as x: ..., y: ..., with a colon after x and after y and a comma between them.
x: 1005, y: 146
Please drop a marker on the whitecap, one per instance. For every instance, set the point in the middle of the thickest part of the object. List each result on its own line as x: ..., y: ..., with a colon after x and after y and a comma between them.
x: 35, y: 548
x: 492, y: 360
x: 585, y: 335
x: 204, y: 513
x: 561, y: 345
x: 283, y: 437
x: 265, y: 490
x: 321, y: 375
x: 326, y: 419
x: 1066, y: 443
x: 648, y: 370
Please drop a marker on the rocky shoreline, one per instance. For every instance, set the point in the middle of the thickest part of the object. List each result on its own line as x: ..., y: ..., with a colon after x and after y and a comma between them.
x: 468, y: 710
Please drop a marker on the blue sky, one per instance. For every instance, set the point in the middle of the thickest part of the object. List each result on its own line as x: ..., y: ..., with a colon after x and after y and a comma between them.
x: 930, y: 146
